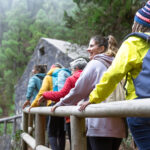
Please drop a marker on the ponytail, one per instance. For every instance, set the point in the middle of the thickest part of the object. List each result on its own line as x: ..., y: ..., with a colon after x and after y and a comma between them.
x: 112, y: 46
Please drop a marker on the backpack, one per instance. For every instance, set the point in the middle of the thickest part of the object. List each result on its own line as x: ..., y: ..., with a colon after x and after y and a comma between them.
x: 141, y: 82
x: 59, y: 77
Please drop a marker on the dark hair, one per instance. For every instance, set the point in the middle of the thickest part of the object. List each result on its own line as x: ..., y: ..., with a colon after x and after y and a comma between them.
x: 101, y: 41
x: 41, y: 68
x: 58, y: 65
x: 110, y: 44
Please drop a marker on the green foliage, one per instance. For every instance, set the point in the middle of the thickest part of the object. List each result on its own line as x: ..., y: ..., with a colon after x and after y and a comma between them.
x: 16, y: 139
x: 9, y: 129
x: 24, y: 22
x: 101, y: 17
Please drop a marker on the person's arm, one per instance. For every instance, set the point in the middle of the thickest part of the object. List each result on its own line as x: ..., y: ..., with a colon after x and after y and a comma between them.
x: 56, y: 95
x: 46, y: 86
x: 126, y: 59
x: 83, y: 86
x: 31, y: 87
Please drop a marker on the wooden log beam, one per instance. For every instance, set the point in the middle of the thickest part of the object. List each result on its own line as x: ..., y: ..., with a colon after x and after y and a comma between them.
x: 10, y: 118
x: 41, y: 147
x: 40, y: 130
x: 5, y: 127
x: 14, y: 126
x: 29, y: 140
x: 25, y: 129
x: 138, y: 108
x: 78, y: 133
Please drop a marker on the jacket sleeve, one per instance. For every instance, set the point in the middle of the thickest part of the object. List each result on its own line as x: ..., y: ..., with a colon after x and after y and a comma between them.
x: 31, y: 87
x: 126, y: 59
x: 56, y: 95
x: 82, y: 89
x: 46, y: 86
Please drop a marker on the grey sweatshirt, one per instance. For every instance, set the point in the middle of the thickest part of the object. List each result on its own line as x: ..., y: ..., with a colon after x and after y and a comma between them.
x: 90, y: 76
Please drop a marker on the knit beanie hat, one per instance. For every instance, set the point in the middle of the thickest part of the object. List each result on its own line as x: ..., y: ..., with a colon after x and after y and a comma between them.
x: 79, y: 63
x: 142, y: 16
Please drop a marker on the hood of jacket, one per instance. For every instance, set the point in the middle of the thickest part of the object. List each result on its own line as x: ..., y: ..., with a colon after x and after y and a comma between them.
x: 55, y: 72
x: 50, y: 72
x: 40, y: 75
x: 107, y: 60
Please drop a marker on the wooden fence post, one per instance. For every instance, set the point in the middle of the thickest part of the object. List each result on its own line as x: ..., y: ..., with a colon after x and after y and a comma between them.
x: 78, y: 133
x: 14, y: 126
x: 25, y: 129
x: 40, y: 130
x: 31, y: 120
x: 5, y: 127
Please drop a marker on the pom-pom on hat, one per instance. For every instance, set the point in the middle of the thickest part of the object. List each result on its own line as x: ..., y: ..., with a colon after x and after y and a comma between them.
x: 142, y: 16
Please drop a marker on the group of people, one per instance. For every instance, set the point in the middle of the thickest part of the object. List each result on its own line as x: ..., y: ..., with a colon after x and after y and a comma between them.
x: 101, y: 75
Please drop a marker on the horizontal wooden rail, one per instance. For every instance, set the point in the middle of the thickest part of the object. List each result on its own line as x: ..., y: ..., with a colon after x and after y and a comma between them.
x: 130, y: 108
x: 41, y: 147
x: 10, y: 118
x: 28, y: 139
x: 126, y: 108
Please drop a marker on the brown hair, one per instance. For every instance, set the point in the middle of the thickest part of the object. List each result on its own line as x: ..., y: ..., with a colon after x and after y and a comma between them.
x: 41, y: 68
x: 101, y: 41
x: 112, y: 46
x: 139, y: 28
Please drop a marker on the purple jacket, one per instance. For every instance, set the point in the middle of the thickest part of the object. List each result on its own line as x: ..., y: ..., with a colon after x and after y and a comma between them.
x: 91, y: 75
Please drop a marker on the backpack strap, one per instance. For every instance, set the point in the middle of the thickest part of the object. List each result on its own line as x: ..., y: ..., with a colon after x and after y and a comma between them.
x: 139, y: 34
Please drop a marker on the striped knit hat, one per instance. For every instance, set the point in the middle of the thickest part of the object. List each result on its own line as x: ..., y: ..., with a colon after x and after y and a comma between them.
x: 142, y: 16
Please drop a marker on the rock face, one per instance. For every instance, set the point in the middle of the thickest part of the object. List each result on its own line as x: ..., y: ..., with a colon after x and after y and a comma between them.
x: 48, y: 51
x: 5, y: 142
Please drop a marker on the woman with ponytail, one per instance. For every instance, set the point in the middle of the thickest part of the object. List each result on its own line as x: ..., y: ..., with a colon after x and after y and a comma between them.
x: 102, y: 133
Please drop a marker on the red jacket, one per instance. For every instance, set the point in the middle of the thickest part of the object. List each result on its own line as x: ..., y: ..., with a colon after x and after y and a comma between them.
x: 69, y: 84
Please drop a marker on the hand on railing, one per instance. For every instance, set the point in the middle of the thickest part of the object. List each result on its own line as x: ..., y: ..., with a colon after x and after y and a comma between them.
x: 53, y: 108
x: 30, y: 108
x: 27, y: 102
x: 84, y: 105
x: 40, y: 100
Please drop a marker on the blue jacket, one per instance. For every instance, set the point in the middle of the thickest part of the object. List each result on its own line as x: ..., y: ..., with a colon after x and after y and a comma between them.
x: 59, y: 77
x: 34, y: 86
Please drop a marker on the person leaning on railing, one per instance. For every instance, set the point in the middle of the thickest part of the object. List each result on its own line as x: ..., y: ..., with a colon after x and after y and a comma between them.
x: 77, y: 67
x: 133, y: 61
x: 102, y: 133
x: 55, y: 126
x: 35, y: 82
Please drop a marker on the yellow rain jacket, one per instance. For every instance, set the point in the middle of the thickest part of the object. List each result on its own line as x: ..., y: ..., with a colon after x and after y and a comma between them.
x: 129, y: 60
x: 47, y: 85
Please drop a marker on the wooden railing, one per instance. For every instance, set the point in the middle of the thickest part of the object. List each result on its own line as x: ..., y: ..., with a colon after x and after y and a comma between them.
x: 139, y: 108
x: 11, y: 120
